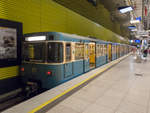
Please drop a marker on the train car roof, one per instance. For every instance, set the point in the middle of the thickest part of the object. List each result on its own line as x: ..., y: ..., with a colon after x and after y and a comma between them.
x: 74, y: 36
x: 81, y: 37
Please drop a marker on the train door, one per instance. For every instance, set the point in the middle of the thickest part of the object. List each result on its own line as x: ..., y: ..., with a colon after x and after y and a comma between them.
x: 109, y: 52
x: 92, y: 55
x: 78, y: 64
x: 105, y: 53
x: 68, y: 60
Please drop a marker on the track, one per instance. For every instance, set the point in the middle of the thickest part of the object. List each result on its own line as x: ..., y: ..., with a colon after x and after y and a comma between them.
x: 15, y: 97
x: 11, y: 102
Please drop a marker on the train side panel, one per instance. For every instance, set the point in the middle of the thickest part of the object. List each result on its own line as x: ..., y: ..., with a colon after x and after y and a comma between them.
x: 100, y: 54
x: 114, y: 52
x: 79, y: 56
x: 78, y: 67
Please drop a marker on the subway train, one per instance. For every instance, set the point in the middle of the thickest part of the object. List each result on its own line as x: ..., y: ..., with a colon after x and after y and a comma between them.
x: 51, y: 58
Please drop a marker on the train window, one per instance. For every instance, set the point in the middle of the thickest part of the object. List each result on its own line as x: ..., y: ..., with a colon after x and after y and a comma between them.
x: 86, y: 51
x: 97, y: 50
x: 112, y: 49
x: 68, y: 52
x: 79, y: 51
x: 55, y: 52
x: 34, y: 52
x: 102, y: 50
x: 105, y: 49
x: 100, y: 53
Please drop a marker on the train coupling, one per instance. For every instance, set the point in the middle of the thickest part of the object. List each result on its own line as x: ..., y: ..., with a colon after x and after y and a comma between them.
x: 31, y: 88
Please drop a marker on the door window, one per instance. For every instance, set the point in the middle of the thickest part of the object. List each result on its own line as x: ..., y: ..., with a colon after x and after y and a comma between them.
x: 97, y: 50
x: 68, y: 52
x: 86, y: 51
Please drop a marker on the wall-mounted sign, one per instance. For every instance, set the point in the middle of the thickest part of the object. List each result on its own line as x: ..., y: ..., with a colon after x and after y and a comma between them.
x: 10, y: 43
x: 137, y: 41
x: 139, y: 18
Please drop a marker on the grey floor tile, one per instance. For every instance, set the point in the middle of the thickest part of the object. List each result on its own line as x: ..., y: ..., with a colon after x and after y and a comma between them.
x: 61, y: 109
x: 75, y: 104
x: 128, y: 107
x: 98, y: 109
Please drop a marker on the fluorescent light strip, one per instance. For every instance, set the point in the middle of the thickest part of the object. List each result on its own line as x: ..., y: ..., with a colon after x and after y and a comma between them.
x: 133, y: 29
x: 131, y: 41
x: 134, y: 21
x: 125, y: 10
x: 35, y: 38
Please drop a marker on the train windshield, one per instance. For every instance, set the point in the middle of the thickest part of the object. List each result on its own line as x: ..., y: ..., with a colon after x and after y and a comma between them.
x: 55, y: 52
x: 34, y: 52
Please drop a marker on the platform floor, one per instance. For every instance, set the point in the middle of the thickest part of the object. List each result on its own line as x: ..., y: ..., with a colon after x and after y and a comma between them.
x: 125, y: 88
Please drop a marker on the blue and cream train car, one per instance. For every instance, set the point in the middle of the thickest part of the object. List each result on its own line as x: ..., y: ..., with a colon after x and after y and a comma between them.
x: 51, y: 58
x: 114, y: 51
x: 101, y: 53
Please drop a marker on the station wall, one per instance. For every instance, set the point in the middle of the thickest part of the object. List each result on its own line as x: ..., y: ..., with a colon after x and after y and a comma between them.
x: 47, y: 15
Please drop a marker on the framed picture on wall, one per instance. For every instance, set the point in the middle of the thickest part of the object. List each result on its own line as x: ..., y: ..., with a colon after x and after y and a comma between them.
x: 10, y: 43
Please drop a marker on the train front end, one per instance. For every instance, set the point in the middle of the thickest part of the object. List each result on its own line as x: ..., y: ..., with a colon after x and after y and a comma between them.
x: 41, y: 63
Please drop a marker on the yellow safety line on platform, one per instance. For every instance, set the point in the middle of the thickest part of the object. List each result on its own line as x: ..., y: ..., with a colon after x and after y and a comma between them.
x: 75, y: 86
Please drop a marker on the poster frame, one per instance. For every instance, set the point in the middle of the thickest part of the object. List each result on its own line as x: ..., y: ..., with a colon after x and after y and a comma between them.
x: 18, y: 26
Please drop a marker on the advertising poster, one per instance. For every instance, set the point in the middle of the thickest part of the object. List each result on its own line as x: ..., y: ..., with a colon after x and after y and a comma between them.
x: 8, y: 43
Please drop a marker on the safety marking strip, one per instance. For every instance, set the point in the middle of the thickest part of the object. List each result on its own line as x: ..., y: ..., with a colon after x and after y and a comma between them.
x: 77, y: 85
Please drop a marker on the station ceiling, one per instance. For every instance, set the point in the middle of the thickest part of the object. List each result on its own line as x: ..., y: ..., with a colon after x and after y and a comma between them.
x: 119, y: 22
x: 124, y: 19
x: 112, y: 6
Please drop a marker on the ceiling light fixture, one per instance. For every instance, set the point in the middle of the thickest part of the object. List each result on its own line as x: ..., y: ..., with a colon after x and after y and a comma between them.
x: 134, y: 21
x: 125, y: 9
x: 131, y: 27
